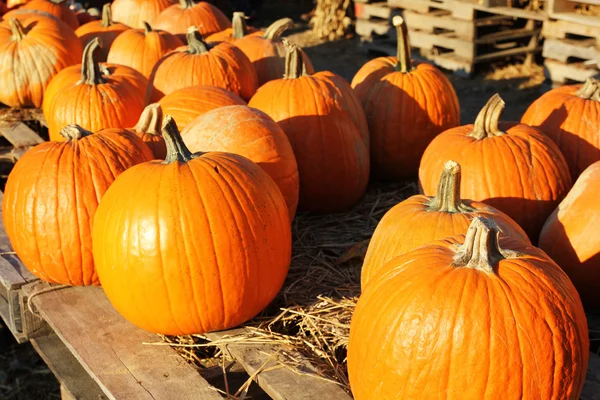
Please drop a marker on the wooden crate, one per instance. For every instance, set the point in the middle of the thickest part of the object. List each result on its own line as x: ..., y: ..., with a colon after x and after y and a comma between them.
x: 564, y: 73
x: 565, y: 10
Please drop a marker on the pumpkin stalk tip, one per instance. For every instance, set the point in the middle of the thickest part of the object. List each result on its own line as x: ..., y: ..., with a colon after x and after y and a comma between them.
x: 447, y: 198
x: 106, y: 16
x: 590, y: 90
x: 185, y: 4
x: 403, y: 43
x: 486, y: 123
x: 176, y: 148
x: 91, y: 72
x: 481, y: 249
x: 294, y: 62
x: 150, y: 121
x: 196, y: 43
x: 277, y: 28
x: 74, y: 132
x: 238, y: 25
x: 147, y: 27
x: 16, y: 29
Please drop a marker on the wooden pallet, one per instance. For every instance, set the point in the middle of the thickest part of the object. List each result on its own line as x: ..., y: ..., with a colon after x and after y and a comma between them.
x: 568, y: 49
x: 564, y: 73
x: 557, y: 29
x: 565, y: 10
x: 16, y: 137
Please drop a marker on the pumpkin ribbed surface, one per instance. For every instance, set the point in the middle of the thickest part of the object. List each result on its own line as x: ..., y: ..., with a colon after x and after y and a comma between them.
x: 134, y: 13
x: 59, y: 8
x: 105, y: 29
x: 176, y: 19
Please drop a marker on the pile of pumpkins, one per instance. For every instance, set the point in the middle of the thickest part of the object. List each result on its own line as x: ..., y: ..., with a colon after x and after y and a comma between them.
x: 182, y: 144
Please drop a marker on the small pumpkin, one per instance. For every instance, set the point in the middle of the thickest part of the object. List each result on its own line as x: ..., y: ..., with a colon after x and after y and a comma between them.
x: 51, y: 196
x: 421, y: 219
x: 510, y: 166
x: 134, y: 13
x: 199, y: 63
x: 216, y: 246
x: 33, y: 49
x: 105, y: 29
x: 570, y: 115
x: 186, y: 104
x: 141, y: 49
x: 238, y: 30
x: 474, y: 317
x: 331, y: 149
x: 253, y: 134
x: 59, y: 8
x: 94, y: 96
x: 176, y: 19
x: 148, y: 129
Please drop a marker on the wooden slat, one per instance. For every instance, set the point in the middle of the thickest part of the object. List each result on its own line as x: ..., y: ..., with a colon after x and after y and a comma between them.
x: 507, y: 35
x: 562, y: 50
x: 560, y: 72
x: 281, y: 382
x: 560, y: 30
x: 19, y: 134
x: 428, y: 23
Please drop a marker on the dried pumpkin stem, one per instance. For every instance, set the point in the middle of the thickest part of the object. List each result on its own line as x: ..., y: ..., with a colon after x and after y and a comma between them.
x: 74, y: 132
x: 151, y: 120
x: 57, y: 1
x: 186, y: 4
x: 106, y: 16
x: 447, y: 198
x: 294, y: 63
x: 238, y: 25
x: 277, y: 28
x: 91, y: 73
x: 481, y: 249
x: 176, y: 148
x: 196, y: 43
x: 147, y: 28
x: 16, y: 29
x: 590, y: 90
x: 403, y: 50
x: 486, y: 124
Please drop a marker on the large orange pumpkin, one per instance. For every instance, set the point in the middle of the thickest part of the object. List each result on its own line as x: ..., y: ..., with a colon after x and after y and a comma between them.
x: 570, y: 115
x: 570, y: 236
x: 148, y: 129
x: 331, y: 149
x: 94, y: 96
x: 105, y: 29
x: 238, y: 30
x: 51, y: 196
x: 134, y: 13
x: 253, y: 134
x: 33, y: 49
x: 407, y: 104
x: 200, y: 242
x: 141, y: 49
x: 186, y: 104
x: 59, y: 8
x: 217, y: 64
x: 420, y: 220
x: 176, y: 19
x: 512, y: 167
x: 469, y: 317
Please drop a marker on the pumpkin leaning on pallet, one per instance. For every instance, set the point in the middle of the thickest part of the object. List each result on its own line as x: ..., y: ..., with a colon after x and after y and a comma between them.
x: 570, y: 236
x: 570, y: 115
x: 238, y: 30
x: 106, y: 29
x: 149, y: 128
x: 134, y: 13
x: 200, y: 63
x: 510, y: 166
x: 177, y: 18
x: 393, y: 92
x: 59, y: 8
x: 94, y: 96
x: 216, y: 242
x: 51, y: 196
x: 253, y: 134
x: 141, y: 49
x: 447, y: 316
x: 33, y: 49
x: 331, y: 150
x: 420, y: 220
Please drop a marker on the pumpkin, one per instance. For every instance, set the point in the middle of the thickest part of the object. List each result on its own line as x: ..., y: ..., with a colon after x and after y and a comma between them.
x: 148, y: 129
x: 331, y: 150
x: 267, y: 51
x: 407, y: 104
x: 216, y: 242
x: 510, y: 166
x: 570, y: 115
x: 253, y: 134
x: 141, y: 49
x: 238, y: 30
x: 218, y: 64
x: 570, y: 236
x: 15, y: 3
x: 59, y: 8
x: 51, y: 196
x: 176, y: 19
x: 84, y: 16
x: 420, y: 220
x: 33, y: 49
x: 105, y: 29
x: 94, y: 96
x: 134, y: 13
x: 469, y: 317
x: 186, y: 104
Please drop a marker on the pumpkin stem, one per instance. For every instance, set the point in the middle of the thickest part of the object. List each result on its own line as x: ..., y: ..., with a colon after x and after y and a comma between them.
x: 486, y: 124
x: 590, y: 90
x: 294, y: 63
x: 196, y: 43
x: 176, y: 148
x: 106, y: 16
x: 91, y: 73
x: 74, y: 132
x: 57, y: 1
x: 147, y: 28
x: 186, y: 4
x: 238, y: 25
x: 447, y: 198
x: 276, y: 29
x: 151, y: 120
x: 16, y: 29
x: 403, y: 49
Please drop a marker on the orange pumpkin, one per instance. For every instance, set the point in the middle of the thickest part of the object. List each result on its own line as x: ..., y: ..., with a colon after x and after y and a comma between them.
x: 83, y: 17
x: 469, y: 317
x: 59, y: 8
x: 15, y: 3
x: 512, y: 167
x: 105, y: 29
x: 186, y: 104
x: 238, y: 30
x: 420, y: 220
x: 253, y: 134
x: 570, y: 236
x: 141, y: 49
x: 33, y: 49
x: 415, y: 92
x: 331, y: 150
x: 148, y: 129
x: 94, y: 96
x: 216, y: 245
x: 218, y: 64
x: 51, y: 196
x: 570, y: 115
x: 134, y: 13
x: 176, y: 19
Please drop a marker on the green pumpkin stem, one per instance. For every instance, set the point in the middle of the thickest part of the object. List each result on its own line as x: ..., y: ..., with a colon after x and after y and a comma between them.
x: 16, y: 29
x: 238, y: 25
x: 294, y: 63
x: 150, y: 121
x: 590, y: 90
x: 403, y: 49
x: 74, y: 132
x: 277, y: 28
x: 106, y: 16
x: 147, y: 28
x: 448, y: 198
x: 196, y: 43
x: 486, y: 123
x: 185, y: 4
x: 91, y: 73
x: 176, y: 148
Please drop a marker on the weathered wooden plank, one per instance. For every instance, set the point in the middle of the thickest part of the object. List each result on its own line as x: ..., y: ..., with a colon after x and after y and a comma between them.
x: 458, y: 9
x: 563, y: 49
x: 19, y: 134
x: 560, y: 29
x: 428, y: 23
x: 561, y: 72
x: 276, y: 375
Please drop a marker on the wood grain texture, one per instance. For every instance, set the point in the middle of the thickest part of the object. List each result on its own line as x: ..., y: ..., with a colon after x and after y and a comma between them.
x: 19, y: 134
